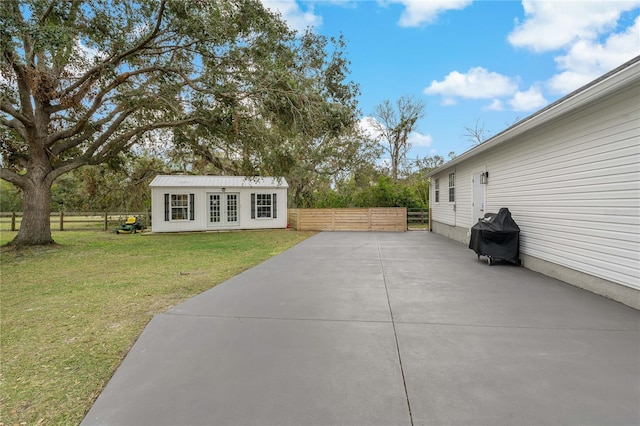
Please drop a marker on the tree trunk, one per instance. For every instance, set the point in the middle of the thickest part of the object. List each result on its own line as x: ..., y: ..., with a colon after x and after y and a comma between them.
x: 297, y: 196
x: 394, y: 167
x: 35, y: 228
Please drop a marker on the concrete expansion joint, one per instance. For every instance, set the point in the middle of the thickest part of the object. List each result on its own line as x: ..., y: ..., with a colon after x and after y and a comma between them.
x: 518, y: 327
x: 181, y: 314
x: 395, y: 334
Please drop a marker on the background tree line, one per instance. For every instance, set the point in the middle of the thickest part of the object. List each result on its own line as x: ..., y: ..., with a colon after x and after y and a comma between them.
x: 123, y: 186
x: 96, y: 98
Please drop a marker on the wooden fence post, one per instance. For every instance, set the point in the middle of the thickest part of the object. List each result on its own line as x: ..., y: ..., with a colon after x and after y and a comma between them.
x: 13, y: 221
x: 62, y: 221
x: 106, y: 221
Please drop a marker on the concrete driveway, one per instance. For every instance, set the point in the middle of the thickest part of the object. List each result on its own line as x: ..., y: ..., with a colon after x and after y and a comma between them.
x: 382, y: 329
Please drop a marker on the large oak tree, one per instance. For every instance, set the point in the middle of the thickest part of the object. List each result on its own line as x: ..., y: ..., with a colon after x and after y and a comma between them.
x: 310, y: 139
x: 83, y: 81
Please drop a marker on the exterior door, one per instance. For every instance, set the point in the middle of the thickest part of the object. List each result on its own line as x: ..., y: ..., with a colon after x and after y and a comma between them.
x: 223, y: 209
x: 231, y: 209
x: 478, y: 198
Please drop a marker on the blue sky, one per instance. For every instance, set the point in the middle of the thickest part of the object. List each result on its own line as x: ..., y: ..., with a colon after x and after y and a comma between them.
x: 485, y: 62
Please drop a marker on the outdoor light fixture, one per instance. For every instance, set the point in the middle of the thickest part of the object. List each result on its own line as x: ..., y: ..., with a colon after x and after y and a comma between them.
x: 484, y: 178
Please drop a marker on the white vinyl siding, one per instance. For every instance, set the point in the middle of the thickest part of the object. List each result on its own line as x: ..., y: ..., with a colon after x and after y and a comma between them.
x: 582, y: 209
x: 453, y: 213
x: 442, y: 211
x: 573, y: 187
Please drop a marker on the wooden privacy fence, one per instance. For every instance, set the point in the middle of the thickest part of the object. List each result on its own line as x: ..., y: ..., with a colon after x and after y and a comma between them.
x: 350, y: 219
x: 78, y: 221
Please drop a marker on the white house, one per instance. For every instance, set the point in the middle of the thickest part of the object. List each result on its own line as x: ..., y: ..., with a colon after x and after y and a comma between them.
x: 203, y: 203
x: 570, y: 175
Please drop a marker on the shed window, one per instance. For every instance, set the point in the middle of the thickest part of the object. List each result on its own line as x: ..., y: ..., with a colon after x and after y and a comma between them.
x: 264, y: 206
x: 436, y: 185
x: 452, y: 187
x: 179, y: 207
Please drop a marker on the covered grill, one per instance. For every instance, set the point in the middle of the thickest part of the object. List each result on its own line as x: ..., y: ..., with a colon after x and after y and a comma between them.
x: 496, y: 236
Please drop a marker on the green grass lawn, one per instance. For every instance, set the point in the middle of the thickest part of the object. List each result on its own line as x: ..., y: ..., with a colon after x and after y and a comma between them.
x: 70, y: 312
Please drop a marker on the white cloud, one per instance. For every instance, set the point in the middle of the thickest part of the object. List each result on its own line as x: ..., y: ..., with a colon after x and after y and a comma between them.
x: 583, y: 32
x: 89, y: 53
x: 495, y: 105
x: 418, y: 139
x: 448, y: 102
x: 295, y: 17
x: 551, y: 25
x: 419, y: 12
x: 83, y: 58
x: 587, y: 60
x: 478, y: 83
x: 530, y: 100
x: 567, y: 81
x: 384, y: 163
x: 367, y: 126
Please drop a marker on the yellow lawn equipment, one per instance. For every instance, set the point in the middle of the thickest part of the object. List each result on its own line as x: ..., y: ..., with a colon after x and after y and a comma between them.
x: 131, y: 226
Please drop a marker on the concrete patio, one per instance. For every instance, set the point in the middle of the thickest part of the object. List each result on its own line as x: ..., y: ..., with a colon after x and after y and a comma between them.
x: 382, y: 329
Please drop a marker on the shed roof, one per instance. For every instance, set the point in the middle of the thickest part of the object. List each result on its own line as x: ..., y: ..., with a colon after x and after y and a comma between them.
x: 175, y: 181
x: 617, y: 79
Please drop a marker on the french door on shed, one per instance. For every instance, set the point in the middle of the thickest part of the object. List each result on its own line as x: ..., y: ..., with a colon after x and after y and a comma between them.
x: 223, y: 208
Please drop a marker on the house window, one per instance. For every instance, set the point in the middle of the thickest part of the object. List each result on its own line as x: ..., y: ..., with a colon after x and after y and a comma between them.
x: 179, y: 207
x: 452, y: 187
x: 264, y: 206
x: 437, y: 189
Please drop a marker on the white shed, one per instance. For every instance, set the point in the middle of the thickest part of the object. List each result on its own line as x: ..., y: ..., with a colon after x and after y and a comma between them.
x: 570, y: 175
x: 202, y: 203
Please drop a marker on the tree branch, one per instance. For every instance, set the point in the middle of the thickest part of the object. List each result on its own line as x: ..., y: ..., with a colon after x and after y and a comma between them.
x: 113, y: 61
x: 46, y: 13
x: 82, y: 122
x: 8, y: 108
x: 84, y: 136
x: 23, y: 90
x: 15, y: 125
x: 113, y: 147
x: 18, y: 180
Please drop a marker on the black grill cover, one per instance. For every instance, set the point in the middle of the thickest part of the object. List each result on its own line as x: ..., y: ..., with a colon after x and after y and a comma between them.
x: 496, y: 236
